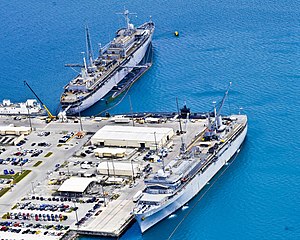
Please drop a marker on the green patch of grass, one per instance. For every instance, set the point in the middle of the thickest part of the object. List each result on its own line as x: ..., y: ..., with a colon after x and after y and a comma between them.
x: 64, y: 164
x: 5, y: 216
x: 3, y: 191
x: 16, y: 175
x: 115, y: 196
x: 37, y: 163
x: 21, y: 176
x: 48, y: 154
x: 9, y: 176
x: 14, y: 207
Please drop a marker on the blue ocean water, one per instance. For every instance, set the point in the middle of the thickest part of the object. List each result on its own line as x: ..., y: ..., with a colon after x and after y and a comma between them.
x: 255, y: 44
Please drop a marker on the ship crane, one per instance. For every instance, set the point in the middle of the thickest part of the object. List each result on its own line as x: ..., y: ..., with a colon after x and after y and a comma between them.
x: 50, y: 116
x: 183, y: 142
x: 218, y: 118
x: 216, y: 125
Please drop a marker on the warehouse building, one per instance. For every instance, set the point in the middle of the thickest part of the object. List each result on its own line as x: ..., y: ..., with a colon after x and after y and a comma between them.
x: 12, y: 130
x: 119, y: 169
x: 75, y: 186
x: 128, y: 136
x: 110, y: 152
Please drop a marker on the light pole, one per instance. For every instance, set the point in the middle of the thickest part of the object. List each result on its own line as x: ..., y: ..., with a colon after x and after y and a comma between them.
x: 113, y: 165
x: 132, y: 171
x: 79, y: 115
x: 76, y: 214
x: 32, y: 187
x: 68, y: 169
x: 103, y: 194
x: 163, y: 161
x: 131, y: 111
x: 155, y: 141
x: 107, y: 168
x: 29, y: 117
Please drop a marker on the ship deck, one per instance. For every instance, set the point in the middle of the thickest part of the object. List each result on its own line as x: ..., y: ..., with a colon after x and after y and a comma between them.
x: 191, y: 163
x: 69, y: 97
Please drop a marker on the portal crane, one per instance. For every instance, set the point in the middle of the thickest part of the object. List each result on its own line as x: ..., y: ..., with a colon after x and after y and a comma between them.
x: 50, y: 116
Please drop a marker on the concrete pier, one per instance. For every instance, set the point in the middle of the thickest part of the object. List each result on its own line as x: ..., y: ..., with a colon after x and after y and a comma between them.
x: 62, y: 161
x: 114, y: 218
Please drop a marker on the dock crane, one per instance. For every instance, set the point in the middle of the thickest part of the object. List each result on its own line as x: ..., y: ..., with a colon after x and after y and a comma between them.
x: 50, y: 116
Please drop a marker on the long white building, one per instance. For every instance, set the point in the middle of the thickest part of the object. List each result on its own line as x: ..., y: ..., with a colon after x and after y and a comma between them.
x: 128, y: 136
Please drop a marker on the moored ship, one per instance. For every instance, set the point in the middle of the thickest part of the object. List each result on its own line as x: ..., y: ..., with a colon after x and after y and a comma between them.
x: 115, y: 61
x: 179, y: 181
x: 30, y: 107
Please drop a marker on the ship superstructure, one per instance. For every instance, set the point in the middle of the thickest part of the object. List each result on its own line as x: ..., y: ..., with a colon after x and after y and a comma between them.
x: 30, y: 107
x: 180, y: 180
x: 115, y: 61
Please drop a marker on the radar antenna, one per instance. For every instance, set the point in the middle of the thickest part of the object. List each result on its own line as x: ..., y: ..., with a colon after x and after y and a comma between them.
x: 126, y: 14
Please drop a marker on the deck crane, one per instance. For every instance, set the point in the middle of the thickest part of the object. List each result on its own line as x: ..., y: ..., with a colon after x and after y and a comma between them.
x: 218, y: 118
x: 50, y: 116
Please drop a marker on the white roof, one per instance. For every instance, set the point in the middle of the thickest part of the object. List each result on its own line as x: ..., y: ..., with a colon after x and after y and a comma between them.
x: 76, y: 184
x: 129, y: 133
x: 110, y: 150
x: 12, y: 128
x: 115, y: 179
x: 125, y: 166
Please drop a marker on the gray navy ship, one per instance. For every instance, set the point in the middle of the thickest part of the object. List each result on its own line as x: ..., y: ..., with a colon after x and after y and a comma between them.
x: 183, y: 178
x: 115, y: 61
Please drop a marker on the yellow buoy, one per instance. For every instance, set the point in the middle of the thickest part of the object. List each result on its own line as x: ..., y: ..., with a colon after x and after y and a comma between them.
x: 176, y: 33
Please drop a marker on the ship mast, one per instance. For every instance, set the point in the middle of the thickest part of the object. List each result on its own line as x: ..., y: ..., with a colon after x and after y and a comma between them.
x: 84, y: 70
x: 129, y: 26
x: 126, y: 13
x: 89, y: 49
x: 88, y: 60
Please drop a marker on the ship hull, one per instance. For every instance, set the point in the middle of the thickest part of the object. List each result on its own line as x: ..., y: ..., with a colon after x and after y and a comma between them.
x: 148, y: 219
x: 117, y: 77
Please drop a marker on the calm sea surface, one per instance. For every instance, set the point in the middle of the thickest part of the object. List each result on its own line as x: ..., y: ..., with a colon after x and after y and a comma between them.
x: 255, y: 44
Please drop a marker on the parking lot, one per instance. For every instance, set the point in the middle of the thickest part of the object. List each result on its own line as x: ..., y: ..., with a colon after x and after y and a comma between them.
x: 39, y: 216
x: 52, y: 153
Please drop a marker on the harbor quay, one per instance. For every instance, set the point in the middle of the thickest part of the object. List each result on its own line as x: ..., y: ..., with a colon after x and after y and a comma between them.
x: 81, y: 176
